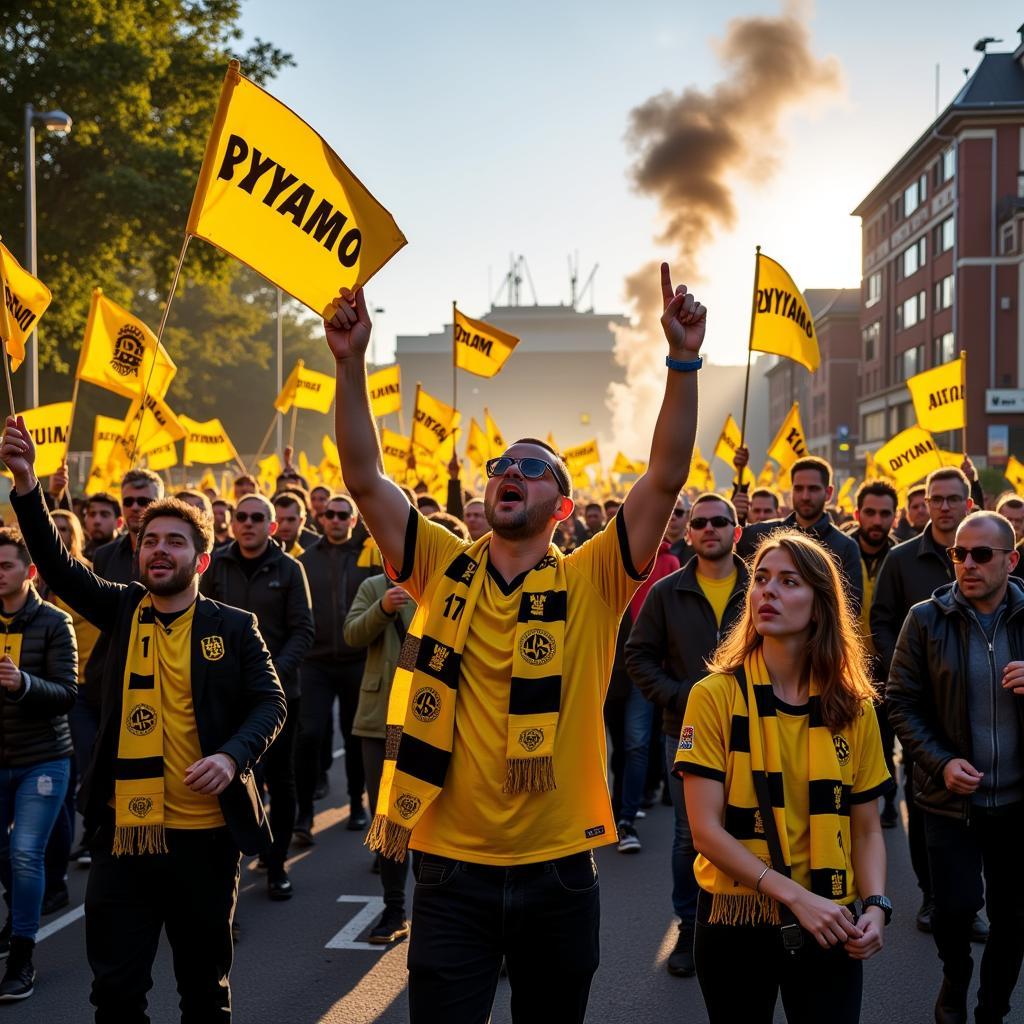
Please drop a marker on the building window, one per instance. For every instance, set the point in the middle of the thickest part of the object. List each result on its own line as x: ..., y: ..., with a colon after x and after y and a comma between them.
x: 944, y: 293
x: 943, y: 349
x: 945, y: 233
x: 874, y: 289
x: 913, y: 259
x: 870, y: 337
x: 914, y: 195
x: 903, y: 417
x: 910, y: 362
x: 948, y: 163
x: 1008, y: 239
x: 873, y: 428
x: 911, y: 311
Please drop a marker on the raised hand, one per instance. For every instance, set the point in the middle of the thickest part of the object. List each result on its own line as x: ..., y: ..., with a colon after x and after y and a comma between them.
x: 348, y: 331
x: 18, y: 453
x: 684, y: 319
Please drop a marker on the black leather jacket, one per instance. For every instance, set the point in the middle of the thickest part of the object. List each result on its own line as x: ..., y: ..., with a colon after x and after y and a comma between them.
x: 927, y: 691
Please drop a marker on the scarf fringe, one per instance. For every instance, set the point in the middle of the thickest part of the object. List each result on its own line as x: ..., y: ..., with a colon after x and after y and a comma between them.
x: 139, y: 839
x: 750, y: 909
x: 529, y: 775
x: 387, y: 838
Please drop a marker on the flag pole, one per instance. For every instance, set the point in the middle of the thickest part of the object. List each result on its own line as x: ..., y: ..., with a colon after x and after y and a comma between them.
x: 159, y: 341
x: 963, y: 392
x: 455, y: 365
x: 7, y: 377
x: 291, y: 433
x: 266, y: 437
x: 750, y: 341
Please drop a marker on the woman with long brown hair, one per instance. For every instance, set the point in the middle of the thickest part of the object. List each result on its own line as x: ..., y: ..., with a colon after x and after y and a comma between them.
x: 782, y: 768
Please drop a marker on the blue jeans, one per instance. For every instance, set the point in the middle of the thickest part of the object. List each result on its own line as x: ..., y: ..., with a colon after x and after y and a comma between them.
x: 684, y: 885
x: 639, y: 715
x: 30, y: 800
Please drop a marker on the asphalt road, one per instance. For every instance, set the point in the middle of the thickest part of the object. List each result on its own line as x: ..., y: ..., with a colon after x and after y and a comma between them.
x: 302, y: 961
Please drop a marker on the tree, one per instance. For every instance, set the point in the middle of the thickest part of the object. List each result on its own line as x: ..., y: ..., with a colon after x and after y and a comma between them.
x: 141, y: 81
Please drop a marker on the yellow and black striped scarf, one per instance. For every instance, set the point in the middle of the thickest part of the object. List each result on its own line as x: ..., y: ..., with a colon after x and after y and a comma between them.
x: 421, y: 710
x: 139, y: 767
x: 754, y: 747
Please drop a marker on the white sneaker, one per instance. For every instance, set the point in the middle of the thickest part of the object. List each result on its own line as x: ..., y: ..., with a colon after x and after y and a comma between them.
x: 629, y: 841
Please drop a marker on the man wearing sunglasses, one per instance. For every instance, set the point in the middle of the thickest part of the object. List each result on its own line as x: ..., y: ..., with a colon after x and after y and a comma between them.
x: 332, y: 669
x: 678, y: 627
x: 912, y: 572
x: 503, y: 815
x: 254, y: 573
x: 956, y: 699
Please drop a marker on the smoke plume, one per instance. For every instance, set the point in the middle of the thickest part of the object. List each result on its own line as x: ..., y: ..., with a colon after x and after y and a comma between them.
x: 689, y: 148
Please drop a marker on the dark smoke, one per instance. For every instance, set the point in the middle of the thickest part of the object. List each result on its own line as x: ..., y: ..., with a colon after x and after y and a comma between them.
x: 689, y: 147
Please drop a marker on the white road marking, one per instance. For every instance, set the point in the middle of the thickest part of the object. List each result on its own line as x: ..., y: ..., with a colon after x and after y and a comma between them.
x: 61, y: 922
x: 346, y: 938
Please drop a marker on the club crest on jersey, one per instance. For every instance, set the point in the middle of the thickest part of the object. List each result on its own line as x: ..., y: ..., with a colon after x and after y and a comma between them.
x: 212, y: 647
x: 842, y: 749
x: 686, y: 738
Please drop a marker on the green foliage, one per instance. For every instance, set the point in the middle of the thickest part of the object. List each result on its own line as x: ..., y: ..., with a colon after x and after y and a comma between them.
x: 141, y: 81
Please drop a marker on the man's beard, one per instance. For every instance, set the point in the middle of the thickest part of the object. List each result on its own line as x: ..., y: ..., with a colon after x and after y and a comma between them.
x: 526, y: 522
x: 179, y: 580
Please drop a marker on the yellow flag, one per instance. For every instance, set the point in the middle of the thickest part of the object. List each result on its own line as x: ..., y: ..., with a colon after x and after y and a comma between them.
x: 49, y: 426
x: 25, y: 299
x: 395, y: 448
x: 306, y: 389
x: 938, y: 396
x: 624, y: 465
x: 105, y: 432
x: 207, y: 443
x: 480, y: 348
x: 119, y: 350
x: 728, y: 441
x: 789, y: 444
x: 385, y: 387
x: 909, y: 456
x: 433, y: 421
x: 163, y: 457
x: 551, y: 441
x: 208, y: 482
x: 273, y: 194
x: 1014, y: 473
x: 160, y: 426
x: 784, y: 482
x: 951, y: 458
x: 767, y: 475
x: 267, y: 472
x: 494, y: 435
x: 782, y: 323
x: 700, y: 478
x: 581, y: 455
x: 844, y: 499
x: 478, y: 447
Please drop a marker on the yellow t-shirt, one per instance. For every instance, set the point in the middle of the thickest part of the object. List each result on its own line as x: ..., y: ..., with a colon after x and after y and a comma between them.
x: 472, y: 819
x: 717, y: 592
x: 182, y: 807
x: 708, y: 728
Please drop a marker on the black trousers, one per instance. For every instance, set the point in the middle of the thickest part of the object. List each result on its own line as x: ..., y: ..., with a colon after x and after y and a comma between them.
x: 915, y: 830
x: 190, y: 892
x: 888, y: 734
x: 393, y: 873
x: 742, y: 970
x: 959, y: 852
x: 615, y: 723
x: 277, y: 771
x: 543, y: 918
x: 320, y: 685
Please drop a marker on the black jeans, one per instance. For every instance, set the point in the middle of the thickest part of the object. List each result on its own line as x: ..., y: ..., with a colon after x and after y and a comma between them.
x: 615, y: 723
x: 190, y: 892
x: 741, y: 971
x: 959, y: 851
x: 543, y: 918
x: 277, y: 770
x: 915, y: 831
x: 393, y: 873
x: 320, y: 685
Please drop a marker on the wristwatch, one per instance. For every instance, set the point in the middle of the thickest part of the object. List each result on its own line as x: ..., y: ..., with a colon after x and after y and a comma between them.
x: 882, y: 902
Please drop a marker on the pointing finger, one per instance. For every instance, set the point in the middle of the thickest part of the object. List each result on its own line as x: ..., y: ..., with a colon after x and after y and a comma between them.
x: 666, y: 285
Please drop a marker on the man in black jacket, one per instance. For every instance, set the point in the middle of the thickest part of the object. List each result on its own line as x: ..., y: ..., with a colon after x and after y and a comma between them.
x: 331, y: 668
x: 682, y: 620
x: 194, y: 678
x: 911, y: 572
x: 956, y: 698
x: 812, y: 490
x: 255, y: 574
x: 38, y: 679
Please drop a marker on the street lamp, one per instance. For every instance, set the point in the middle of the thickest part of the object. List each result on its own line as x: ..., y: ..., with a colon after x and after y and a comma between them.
x: 373, y: 335
x: 52, y: 121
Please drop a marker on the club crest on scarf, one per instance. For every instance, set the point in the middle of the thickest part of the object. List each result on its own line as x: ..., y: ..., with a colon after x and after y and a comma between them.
x: 140, y: 806
x: 538, y: 646
x: 141, y: 720
x: 531, y: 739
x: 426, y: 705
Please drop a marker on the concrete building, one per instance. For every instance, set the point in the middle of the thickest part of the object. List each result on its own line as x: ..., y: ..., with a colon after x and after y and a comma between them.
x: 943, y: 266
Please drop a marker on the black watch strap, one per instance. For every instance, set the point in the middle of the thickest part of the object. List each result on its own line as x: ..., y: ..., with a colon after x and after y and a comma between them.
x: 882, y: 902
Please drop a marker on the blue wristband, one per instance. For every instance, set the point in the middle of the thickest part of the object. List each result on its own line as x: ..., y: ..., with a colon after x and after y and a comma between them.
x: 678, y: 364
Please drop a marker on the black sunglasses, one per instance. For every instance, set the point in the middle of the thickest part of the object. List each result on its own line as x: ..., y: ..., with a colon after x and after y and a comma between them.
x: 718, y: 522
x: 532, y: 469
x: 331, y: 513
x: 981, y: 554
x: 141, y: 502
x: 251, y: 517
x: 678, y: 513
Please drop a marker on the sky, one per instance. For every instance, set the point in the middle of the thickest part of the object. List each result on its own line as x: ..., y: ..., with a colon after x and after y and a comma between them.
x: 491, y: 130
